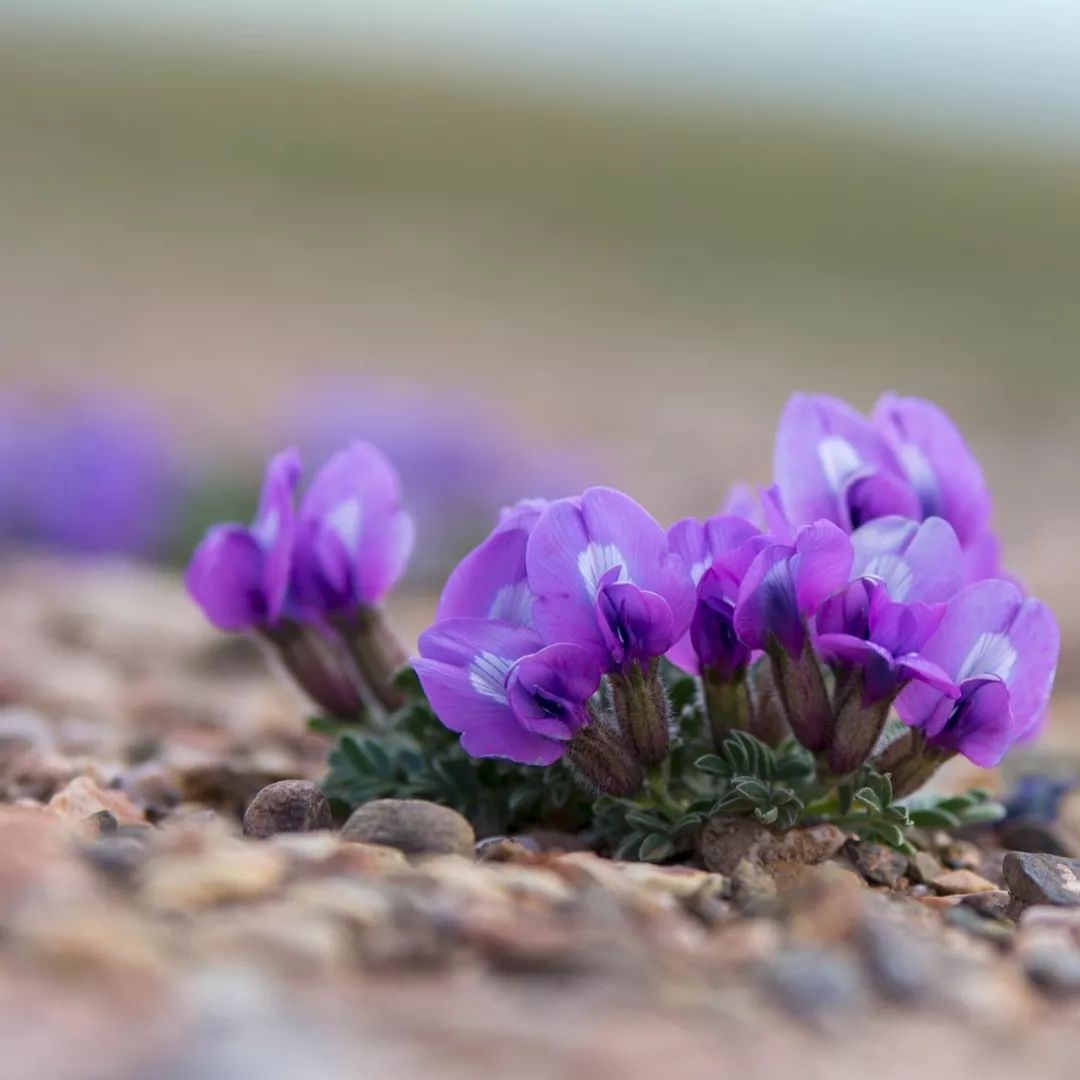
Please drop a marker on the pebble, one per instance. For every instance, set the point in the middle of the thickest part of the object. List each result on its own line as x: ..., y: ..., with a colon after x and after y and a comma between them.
x: 1054, y: 970
x: 924, y: 867
x: 219, y: 875
x: 878, y: 864
x: 901, y: 966
x: 83, y: 797
x: 413, y: 826
x: 727, y: 841
x: 1043, y: 879
x: 961, y: 883
x: 814, y: 984
x: 287, y: 806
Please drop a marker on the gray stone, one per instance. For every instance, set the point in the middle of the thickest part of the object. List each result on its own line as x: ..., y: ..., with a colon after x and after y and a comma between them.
x: 1043, y: 879
x: 413, y: 826
x: 814, y: 984
x: 878, y: 864
x: 901, y: 967
x: 1054, y: 970
x: 287, y: 806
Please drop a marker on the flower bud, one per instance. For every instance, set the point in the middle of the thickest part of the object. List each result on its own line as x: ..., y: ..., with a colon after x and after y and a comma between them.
x: 856, y: 725
x: 376, y: 651
x: 800, y: 686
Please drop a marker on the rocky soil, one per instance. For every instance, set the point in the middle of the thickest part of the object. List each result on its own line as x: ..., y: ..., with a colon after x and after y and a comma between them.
x: 175, y: 902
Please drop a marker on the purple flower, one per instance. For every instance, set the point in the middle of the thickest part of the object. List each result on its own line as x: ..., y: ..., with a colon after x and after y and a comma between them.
x: 786, y: 584
x: 938, y: 463
x: 490, y: 582
x: 862, y: 629
x: 353, y: 539
x: 1001, y: 650
x: 96, y: 477
x: 831, y: 464
x: 916, y: 562
x: 239, y: 576
x: 605, y: 577
x: 507, y: 693
x: 718, y: 551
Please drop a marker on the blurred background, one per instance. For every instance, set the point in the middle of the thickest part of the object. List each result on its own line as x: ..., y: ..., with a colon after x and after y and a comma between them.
x: 524, y: 247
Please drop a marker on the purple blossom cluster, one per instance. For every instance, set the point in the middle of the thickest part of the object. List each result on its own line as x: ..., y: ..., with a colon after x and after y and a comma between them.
x: 93, y: 476
x: 865, y: 579
x: 310, y: 579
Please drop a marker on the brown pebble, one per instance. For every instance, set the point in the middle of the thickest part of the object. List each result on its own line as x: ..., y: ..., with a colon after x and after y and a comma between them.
x: 287, y: 806
x: 413, y: 826
x: 962, y: 882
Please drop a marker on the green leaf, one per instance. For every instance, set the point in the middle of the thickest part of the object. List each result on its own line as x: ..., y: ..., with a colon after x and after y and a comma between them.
x: 655, y: 848
x: 629, y: 845
x: 648, y: 820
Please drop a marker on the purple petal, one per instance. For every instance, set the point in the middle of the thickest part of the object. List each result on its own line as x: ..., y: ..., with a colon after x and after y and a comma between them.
x: 981, y: 726
x: 926, y: 671
x: 636, y: 624
x: 458, y: 641
x: 821, y: 564
x: 225, y: 578
x: 878, y: 494
x: 982, y: 557
x: 275, y: 526
x: 847, y: 611
x: 577, y: 542
x: 548, y: 690
x: 821, y: 444
x: 916, y: 562
x: 490, y: 581
x: 357, y: 496
x: 937, y: 461
x: 903, y: 628
x: 767, y: 605
x: 741, y: 501
x: 1035, y: 636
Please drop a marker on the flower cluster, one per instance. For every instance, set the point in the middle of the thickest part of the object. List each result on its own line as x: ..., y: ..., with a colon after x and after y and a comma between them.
x: 310, y: 580
x: 865, y: 579
x: 94, y: 476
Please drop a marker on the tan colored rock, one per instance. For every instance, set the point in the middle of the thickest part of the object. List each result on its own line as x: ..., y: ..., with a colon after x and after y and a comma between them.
x: 218, y: 875
x: 726, y: 841
x: 962, y: 883
x: 83, y: 797
x: 413, y: 826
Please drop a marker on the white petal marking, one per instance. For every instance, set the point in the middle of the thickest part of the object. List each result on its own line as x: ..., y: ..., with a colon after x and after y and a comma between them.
x: 992, y: 654
x: 839, y: 460
x: 347, y: 519
x: 513, y: 603
x: 596, y: 560
x: 487, y: 674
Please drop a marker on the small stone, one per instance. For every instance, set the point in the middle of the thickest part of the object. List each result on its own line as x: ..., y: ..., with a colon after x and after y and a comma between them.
x: 82, y: 798
x: 753, y: 890
x: 962, y: 855
x: 901, y: 966
x: 1054, y: 970
x: 727, y: 841
x: 989, y: 929
x: 825, y: 904
x: 503, y: 849
x: 1043, y: 879
x: 961, y: 883
x: 102, y: 823
x: 991, y: 905
x: 924, y: 867
x: 413, y: 826
x: 878, y: 864
x: 814, y: 984
x: 287, y: 806
x: 219, y: 875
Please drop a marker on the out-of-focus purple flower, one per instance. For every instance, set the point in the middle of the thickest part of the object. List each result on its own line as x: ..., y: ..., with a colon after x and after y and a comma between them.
x: 862, y: 629
x: 1001, y: 650
x: 239, y: 575
x: 458, y: 457
x: 491, y: 582
x: 353, y: 538
x: 831, y: 464
x: 96, y: 477
x: 507, y: 693
x: 786, y: 584
x: 718, y: 551
x: 605, y: 578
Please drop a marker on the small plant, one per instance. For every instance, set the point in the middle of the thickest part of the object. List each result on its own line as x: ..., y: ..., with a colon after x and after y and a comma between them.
x: 814, y: 653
